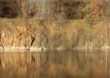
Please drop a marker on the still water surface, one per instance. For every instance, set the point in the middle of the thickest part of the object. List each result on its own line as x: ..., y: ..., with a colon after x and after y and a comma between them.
x: 53, y: 64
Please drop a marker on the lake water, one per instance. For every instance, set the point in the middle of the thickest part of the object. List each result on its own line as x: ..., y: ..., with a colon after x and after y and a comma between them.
x: 54, y: 64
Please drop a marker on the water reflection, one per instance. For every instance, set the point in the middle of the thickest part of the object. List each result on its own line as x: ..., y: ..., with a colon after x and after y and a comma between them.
x: 67, y: 64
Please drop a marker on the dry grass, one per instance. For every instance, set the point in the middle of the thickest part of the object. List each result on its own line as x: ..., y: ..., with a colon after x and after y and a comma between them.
x: 71, y: 34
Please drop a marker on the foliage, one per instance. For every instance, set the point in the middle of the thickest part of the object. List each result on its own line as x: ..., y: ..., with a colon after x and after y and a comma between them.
x: 91, y: 10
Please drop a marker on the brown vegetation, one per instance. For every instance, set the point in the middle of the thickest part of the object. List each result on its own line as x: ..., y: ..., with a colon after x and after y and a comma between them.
x: 93, y: 10
x: 55, y: 22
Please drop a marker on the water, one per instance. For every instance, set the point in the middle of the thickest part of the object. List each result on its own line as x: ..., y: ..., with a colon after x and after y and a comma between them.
x: 53, y: 64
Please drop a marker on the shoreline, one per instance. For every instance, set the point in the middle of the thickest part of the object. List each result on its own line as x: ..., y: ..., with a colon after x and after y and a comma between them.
x: 34, y: 49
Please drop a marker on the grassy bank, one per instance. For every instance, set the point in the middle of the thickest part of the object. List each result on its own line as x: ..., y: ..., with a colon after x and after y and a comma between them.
x: 53, y: 34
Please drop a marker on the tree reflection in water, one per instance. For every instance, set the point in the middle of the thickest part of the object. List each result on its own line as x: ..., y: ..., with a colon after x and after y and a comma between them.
x: 65, y: 64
